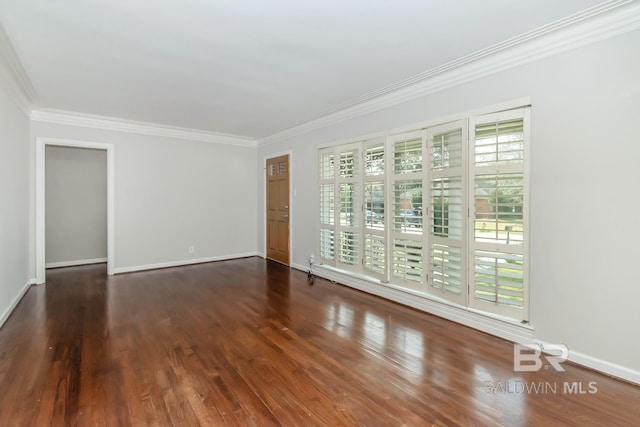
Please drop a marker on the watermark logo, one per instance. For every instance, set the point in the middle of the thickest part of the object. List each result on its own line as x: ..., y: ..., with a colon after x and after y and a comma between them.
x: 529, y: 357
x: 533, y: 358
x: 540, y: 387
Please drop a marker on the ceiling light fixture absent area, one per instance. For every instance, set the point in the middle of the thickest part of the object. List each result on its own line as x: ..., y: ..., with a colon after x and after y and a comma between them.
x: 248, y: 79
x: 491, y: 50
x: 598, y: 23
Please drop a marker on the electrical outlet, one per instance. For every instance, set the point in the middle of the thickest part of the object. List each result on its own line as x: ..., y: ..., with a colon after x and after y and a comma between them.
x: 311, y: 259
x: 192, y: 249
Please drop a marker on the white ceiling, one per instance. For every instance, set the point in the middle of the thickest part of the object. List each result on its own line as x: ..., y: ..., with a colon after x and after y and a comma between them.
x: 248, y: 67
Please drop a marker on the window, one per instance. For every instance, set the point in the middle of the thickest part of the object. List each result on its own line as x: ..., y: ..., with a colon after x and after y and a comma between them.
x: 447, y: 212
x: 440, y: 211
x: 407, y: 259
x: 374, y: 210
x: 341, y: 198
x: 497, y: 231
x: 350, y: 207
x: 327, y: 207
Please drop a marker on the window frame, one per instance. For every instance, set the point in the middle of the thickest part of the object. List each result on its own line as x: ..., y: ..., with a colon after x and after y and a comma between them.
x: 431, y: 238
x: 520, y: 313
x: 331, y: 226
x: 372, y: 231
x: 408, y: 234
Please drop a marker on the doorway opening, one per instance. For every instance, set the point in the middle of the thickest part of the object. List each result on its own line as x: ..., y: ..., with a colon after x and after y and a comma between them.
x: 41, y: 201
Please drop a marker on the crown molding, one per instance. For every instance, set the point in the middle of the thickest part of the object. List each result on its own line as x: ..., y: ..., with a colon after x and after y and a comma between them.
x: 601, y: 22
x: 14, y: 75
x: 111, y: 123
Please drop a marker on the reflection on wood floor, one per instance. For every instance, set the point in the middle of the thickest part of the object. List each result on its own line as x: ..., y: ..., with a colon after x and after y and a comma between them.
x: 249, y: 342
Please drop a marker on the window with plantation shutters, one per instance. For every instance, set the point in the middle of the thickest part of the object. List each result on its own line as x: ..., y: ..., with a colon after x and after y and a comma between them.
x: 340, y: 202
x: 349, y: 250
x: 406, y: 226
x: 374, y: 261
x: 327, y: 206
x: 447, y: 212
x: 498, y: 224
x: 441, y: 212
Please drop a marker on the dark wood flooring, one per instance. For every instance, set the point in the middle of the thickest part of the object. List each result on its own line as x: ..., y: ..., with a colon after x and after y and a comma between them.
x: 249, y: 342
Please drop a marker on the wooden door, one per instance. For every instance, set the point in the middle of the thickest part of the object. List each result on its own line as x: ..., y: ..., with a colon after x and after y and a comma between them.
x: 278, y: 209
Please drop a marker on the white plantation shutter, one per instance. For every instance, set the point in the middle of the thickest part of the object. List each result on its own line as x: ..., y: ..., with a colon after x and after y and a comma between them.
x: 499, y: 200
x: 327, y: 212
x: 407, y: 266
x: 408, y: 151
x: 327, y: 245
x: 407, y: 263
x: 441, y: 211
x: 447, y: 212
x: 349, y: 223
x: 497, y: 164
x: 327, y: 199
x: 374, y: 254
x: 499, y: 278
x: 374, y: 262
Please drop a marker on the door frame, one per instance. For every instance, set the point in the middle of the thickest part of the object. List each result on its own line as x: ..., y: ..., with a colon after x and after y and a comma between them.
x: 41, y: 144
x: 264, y: 201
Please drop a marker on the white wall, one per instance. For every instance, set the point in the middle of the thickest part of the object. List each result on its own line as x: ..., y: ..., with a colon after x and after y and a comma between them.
x: 171, y: 194
x: 14, y: 202
x: 76, y: 205
x: 585, y: 208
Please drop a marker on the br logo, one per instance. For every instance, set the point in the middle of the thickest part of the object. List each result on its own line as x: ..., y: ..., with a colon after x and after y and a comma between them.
x: 528, y: 357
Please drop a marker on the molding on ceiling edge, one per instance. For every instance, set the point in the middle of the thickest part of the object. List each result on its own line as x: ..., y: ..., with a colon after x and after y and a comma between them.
x: 115, y: 124
x: 14, y: 74
x: 601, y: 22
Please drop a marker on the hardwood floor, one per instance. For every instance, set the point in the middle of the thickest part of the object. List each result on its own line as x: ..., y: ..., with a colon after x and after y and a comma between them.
x: 249, y: 342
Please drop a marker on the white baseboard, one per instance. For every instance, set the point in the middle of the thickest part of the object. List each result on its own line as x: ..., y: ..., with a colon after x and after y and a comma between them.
x: 609, y: 368
x: 602, y: 366
x: 15, y: 302
x: 75, y: 263
x: 182, y: 262
x: 300, y: 267
x: 504, y: 329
